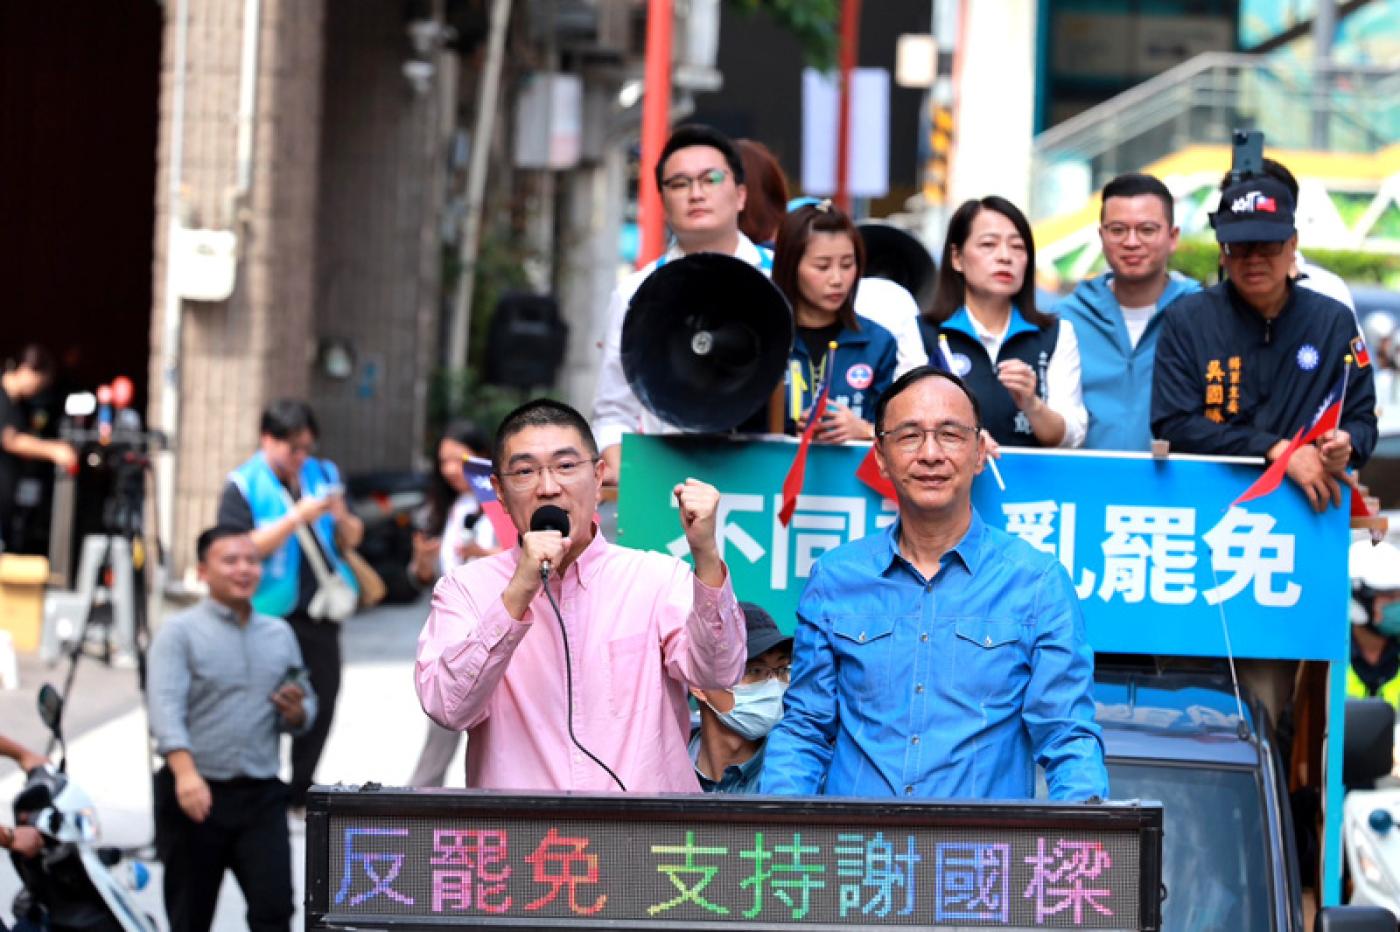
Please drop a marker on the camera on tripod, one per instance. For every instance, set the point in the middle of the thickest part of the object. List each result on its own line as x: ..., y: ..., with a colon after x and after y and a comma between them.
x: 108, y: 436
x: 100, y: 505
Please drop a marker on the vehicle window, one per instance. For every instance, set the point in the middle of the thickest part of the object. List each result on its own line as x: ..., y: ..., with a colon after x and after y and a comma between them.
x: 1214, y: 848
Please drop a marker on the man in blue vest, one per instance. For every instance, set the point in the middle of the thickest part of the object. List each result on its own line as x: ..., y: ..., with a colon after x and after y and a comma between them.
x: 286, y: 498
x: 1118, y: 314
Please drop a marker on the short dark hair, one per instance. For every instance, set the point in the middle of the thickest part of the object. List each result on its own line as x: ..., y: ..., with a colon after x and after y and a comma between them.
x: 541, y: 412
x: 212, y: 536
x: 287, y: 416
x: 766, y: 204
x: 915, y: 375
x: 697, y: 134
x: 1272, y: 169
x: 1136, y: 184
x: 793, y: 236
x: 951, y: 292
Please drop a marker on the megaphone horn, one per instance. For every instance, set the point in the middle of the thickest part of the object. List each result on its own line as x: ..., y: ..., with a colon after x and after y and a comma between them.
x: 705, y: 341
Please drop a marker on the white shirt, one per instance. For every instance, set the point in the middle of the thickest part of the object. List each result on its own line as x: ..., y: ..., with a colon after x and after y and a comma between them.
x: 455, y: 534
x: 1136, y: 318
x: 1324, y: 282
x: 888, y: 304
x: 1065, y: 391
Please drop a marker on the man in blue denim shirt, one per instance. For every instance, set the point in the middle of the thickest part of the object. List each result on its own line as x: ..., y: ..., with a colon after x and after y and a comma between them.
x: 941, y: 658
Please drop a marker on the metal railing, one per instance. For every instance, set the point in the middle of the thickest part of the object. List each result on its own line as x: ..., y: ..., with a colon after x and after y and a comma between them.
x: 1343, y: 109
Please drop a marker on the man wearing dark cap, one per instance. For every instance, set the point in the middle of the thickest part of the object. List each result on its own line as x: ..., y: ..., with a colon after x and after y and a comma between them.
x: 734, y: 723
x: 1245, y: 364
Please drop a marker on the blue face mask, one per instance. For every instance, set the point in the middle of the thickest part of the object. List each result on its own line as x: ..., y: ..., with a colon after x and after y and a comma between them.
x: 757, y: 708
x: 1389, y: 622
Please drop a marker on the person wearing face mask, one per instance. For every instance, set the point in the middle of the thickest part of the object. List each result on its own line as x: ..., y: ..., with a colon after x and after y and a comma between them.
x: 1375, y: 631
x: 727, y: 749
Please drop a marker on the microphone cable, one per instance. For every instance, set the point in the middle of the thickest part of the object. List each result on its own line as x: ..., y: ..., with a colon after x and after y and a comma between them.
x: 569, y: 682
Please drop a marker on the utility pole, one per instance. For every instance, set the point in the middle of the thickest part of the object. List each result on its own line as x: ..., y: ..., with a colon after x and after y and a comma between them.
x: 850, y: 54
x: 488, y: 93
x: 656, y: 126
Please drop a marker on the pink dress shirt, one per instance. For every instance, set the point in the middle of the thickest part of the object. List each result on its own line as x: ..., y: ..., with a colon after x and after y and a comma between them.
x: 641, y: 628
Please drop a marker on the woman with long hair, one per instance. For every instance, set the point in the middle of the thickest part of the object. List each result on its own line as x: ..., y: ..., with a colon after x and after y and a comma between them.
x: 1021, y: 363
x: 452, y: 531
x: 817, y: 266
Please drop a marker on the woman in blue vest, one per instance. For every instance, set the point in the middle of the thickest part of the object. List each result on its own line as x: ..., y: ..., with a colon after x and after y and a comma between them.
x: 279, y: 489
x: 818, y: 262
x: 1021, y: 363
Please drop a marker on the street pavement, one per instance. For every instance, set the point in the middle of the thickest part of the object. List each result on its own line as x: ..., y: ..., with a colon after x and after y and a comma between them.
x: 378, y: 731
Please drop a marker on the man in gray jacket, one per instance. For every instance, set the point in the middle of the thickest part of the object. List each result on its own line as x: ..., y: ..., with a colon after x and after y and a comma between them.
x: 225, y: 682
x: 1118, y: 314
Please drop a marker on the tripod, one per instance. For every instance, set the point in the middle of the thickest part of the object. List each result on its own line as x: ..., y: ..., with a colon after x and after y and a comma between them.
x: 110, y: 589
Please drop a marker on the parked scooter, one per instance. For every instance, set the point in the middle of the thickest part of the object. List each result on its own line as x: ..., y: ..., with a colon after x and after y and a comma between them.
x: 69, y: 885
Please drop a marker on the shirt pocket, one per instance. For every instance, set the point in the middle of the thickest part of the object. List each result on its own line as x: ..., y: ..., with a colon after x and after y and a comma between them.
x: 864, y: 647
x: 988, y: 659
x: 628, y: 666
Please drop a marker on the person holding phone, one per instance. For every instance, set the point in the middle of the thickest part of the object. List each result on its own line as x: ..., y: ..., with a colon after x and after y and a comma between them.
x: 225, y: 682
x: 453, y: 531
x: 281, y: 488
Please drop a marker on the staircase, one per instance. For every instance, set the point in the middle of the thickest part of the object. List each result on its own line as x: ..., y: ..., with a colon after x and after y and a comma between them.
x: 1345, y: 109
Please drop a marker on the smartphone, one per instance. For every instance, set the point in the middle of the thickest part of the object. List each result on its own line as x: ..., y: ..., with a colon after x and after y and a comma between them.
x: 1247, y: 154
x: 332, y: 489
x: 290, y: 678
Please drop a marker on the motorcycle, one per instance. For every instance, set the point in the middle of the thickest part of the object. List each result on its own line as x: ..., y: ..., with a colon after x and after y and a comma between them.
x: 70, y: 884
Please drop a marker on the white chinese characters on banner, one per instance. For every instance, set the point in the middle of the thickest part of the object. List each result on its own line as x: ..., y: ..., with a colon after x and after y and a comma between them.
x: 1149, y: 552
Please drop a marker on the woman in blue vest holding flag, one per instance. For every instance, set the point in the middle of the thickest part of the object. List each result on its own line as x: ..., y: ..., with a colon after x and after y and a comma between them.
x: 1021, y: 363
x: 818, y: 263
x: 289, y: 500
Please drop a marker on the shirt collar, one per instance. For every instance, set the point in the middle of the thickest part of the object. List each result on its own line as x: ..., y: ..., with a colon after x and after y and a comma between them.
x: 586, y: 567
x: 223, y: 612
x: 746, y: 771
x: 745, y: 249
x: 968, y: 549
x: 962, y: 320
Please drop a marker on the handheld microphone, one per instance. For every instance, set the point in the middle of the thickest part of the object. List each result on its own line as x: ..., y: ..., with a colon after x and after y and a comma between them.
x: 549, y: 518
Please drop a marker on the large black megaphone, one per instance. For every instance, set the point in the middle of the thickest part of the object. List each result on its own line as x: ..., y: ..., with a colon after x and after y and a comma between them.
x: 705, y: 341
x: 897, y: 255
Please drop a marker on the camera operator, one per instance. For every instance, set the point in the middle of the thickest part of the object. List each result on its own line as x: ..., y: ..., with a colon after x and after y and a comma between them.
x: 22, y: 380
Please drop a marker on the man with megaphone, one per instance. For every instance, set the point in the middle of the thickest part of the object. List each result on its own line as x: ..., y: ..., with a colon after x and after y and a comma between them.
x: 568, y: 659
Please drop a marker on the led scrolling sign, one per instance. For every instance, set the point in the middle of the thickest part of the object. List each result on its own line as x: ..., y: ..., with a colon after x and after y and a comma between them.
x: 405, y: 859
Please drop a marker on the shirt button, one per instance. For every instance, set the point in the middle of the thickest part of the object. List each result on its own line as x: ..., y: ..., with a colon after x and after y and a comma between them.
x: 862, y: 637
x: 914, y: 740
x: 989, y: 640
x: 909, y: 791
x: 918, y: 688
x: 924, y: 636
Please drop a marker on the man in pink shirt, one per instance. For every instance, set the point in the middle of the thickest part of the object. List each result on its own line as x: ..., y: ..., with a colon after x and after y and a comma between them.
x: 642, y: 628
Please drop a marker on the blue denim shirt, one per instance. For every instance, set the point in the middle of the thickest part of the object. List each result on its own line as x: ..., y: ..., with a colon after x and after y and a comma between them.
x: 953, y: 687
